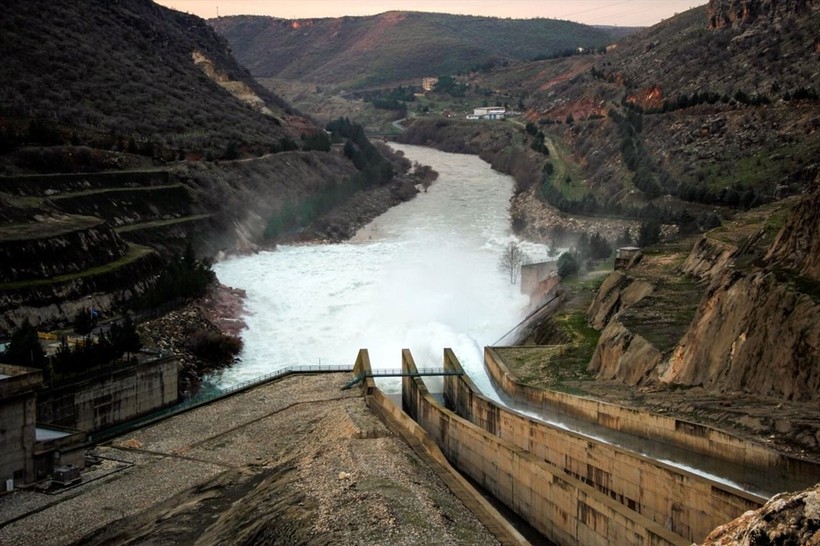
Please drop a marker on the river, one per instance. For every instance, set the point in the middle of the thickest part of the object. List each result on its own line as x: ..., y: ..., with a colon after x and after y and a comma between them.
x: 422, y: 276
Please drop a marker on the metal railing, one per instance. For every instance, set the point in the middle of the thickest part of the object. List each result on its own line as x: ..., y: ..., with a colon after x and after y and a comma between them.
x: 398, y: 372
x: 208, y: 397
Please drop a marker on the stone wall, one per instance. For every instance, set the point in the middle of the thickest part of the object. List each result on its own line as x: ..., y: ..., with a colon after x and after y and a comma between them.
x: 107, y: 399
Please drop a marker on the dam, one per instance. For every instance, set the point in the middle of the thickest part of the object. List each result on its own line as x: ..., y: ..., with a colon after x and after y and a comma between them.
x: 573, y: 489
x: 424, y: 276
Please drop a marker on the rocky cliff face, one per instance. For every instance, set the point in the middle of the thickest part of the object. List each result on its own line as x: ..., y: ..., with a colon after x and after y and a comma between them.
x: 621, y: 354
x: 789, y: 518
x: 709, y: 258
x: 618, y: 291
x: 754, y: 330
x: 734, y: 13
x: 797, y: 246
x: 752, y: 333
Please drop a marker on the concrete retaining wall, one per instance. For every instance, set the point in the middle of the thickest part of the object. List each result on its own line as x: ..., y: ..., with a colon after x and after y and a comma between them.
x: 562, y: 507
x: 17, y: 421
x: 403, y: 425
x: 693, y: 437
x: 105, y: 400
x: 686, y: 503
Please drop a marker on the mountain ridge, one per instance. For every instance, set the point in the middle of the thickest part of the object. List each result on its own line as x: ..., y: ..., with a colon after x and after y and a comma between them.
x: 393, y: 46
x: 57, y: 73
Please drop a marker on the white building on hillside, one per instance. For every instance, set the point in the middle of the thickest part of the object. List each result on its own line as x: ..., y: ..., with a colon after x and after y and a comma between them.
x: 488, y: 112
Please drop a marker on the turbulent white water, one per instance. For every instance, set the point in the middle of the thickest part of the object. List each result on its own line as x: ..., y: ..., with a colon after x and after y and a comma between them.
x: 422, y: 276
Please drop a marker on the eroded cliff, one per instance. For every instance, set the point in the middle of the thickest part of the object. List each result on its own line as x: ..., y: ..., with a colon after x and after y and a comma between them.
x: 754, y: 329
x: 729, y: 13
x: 797, y: 246
x: 752, y: 333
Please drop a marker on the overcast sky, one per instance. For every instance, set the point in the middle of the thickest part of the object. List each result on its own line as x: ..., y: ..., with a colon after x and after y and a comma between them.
x: 593, y: 12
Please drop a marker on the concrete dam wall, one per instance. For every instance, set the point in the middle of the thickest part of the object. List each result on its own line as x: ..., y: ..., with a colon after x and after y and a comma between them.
x: 689, y: 505
x: 570, y: 487
x: 782, y: 470
x: 560, y: 506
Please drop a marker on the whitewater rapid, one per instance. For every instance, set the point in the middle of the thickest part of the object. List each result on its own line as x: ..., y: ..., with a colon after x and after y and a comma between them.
x: 422, y: 276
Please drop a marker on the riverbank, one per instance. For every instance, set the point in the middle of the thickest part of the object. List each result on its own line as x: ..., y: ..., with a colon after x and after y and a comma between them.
x: 498, y: 144
x: 218, y: 313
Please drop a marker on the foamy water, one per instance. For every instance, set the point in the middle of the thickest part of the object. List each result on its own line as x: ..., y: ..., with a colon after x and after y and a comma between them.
x: 422, y: 276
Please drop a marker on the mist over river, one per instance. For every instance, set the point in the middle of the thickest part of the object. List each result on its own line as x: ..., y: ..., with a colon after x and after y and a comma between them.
x: 422, y: 276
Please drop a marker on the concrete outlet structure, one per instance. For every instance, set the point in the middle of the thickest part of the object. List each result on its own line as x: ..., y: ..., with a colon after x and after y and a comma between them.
x: 42, y: 429
x: 572, y: 488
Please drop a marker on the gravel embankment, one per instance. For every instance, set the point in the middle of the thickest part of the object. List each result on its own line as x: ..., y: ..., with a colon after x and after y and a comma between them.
x: 294, y: 461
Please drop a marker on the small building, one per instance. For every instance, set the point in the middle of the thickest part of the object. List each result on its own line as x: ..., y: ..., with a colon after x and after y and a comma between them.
x: 488, y: 112
x: 45, y: 429
x: 29, y: 452
x: 627, y: 256
x: 428, y: 83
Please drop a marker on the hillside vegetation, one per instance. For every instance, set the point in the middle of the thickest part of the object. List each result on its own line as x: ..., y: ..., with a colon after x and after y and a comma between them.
x: 356, y: 52
x: 128, y: 131
x: 681, y: 124
x: 122, y: 73
x: 684, y: 112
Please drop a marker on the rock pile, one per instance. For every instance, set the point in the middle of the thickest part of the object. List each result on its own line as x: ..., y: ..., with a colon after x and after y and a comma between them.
x: 789, y: 518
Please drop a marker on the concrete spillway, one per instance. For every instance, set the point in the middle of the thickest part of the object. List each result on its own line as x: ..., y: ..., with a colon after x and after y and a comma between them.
x: 579, y: 490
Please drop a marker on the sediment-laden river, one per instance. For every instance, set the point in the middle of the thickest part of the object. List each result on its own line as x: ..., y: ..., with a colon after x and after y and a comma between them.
x: 422, y: 276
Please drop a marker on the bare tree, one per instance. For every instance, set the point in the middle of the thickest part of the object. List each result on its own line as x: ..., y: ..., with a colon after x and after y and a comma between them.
x: 511, y: 261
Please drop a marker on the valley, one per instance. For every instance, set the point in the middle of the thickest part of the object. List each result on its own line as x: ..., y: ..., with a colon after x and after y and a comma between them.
x: 147, y: 154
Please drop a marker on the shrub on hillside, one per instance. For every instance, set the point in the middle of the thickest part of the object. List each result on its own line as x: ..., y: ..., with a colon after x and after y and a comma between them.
x: 567, y: 265
x: 214, y: 347
x: 184, y: 277
x: 24, y: 348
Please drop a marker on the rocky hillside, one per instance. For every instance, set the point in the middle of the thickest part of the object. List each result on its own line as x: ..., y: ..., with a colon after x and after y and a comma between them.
x: 128, y: 130
x: 797, y: 246
x: 686, y: 114
x: 741, y: 12
x: 754, y: 330
x: 131, y: 72
x: 395, y: 46
x: 756, y: 327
